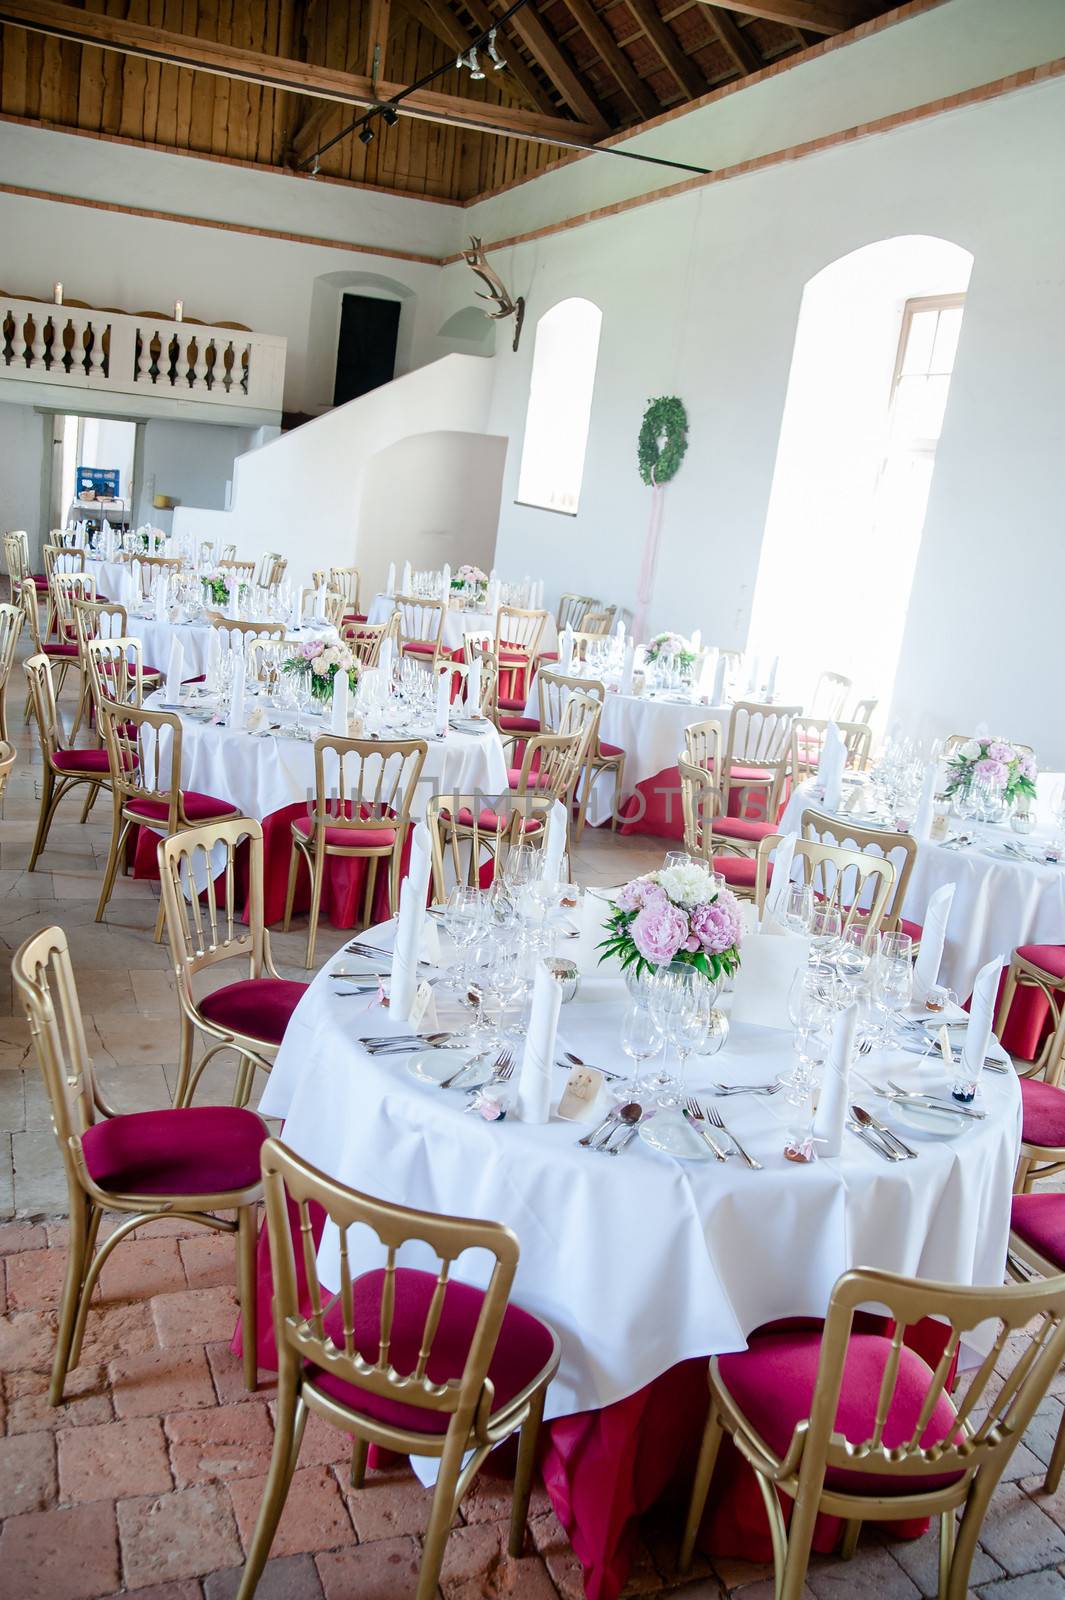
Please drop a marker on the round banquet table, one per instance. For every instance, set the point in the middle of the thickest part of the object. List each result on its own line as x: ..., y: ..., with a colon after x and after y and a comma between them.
x: 457, y: 624
x: 157, y: 637
x: 644, y: 1265
x: 271, y: 777
x: 108, y: 575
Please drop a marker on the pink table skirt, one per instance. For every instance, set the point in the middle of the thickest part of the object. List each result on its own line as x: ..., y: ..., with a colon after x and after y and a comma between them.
x: 604, y: 1469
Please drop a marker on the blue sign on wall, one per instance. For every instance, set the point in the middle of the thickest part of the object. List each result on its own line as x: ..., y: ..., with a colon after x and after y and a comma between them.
x: 103, y: 483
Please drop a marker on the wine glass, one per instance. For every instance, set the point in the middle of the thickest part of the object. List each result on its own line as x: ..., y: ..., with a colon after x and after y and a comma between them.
x: 640, y: 1040
x: 826, y: 928
x: 464, y: 917
x: 798, y: 908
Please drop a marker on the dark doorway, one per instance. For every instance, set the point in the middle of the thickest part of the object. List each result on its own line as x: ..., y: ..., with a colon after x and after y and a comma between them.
x: 366, y: 349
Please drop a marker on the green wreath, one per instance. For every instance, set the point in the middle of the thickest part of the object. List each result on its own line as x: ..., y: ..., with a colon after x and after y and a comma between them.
x: 666, y: 417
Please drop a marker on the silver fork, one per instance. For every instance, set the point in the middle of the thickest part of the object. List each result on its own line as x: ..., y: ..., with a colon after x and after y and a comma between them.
x: 449, y: 1083
x: 714, y: 1116
x: 502, y: 1072
x: 747, y: 1088
x: 693, y: 1113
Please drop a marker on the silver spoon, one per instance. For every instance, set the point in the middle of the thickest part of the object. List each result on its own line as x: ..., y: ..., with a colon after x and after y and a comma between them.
x: 627, y: 1117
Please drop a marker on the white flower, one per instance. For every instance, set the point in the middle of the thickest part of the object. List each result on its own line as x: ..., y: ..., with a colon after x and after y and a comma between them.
x: 320, y: 667
x: 686, y: 885
x: 970, y: 750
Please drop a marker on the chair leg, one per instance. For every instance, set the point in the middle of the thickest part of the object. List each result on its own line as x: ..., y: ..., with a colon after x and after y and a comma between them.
x: 1057, y: 1462
x: 90, y: 800
x: 317, y: 879
x: 360, y: 1450
x: 119, y: 830
x: 293, y: 869
x: 523, y: 1476
x: 1009, y: 989
x: 160, y: 919
x: 247, y: 1240
x: 441, y: 1516
x: 371, y: 886
x: 619, y: 795
x: 701, y: 1487
x: 800, y: 1538
x: 186, y: 1044
x: 275, y: 1490
x: 44, y: 818
x: 851, y: 1531
x: 73, y: 1285
x: 947, y: 1526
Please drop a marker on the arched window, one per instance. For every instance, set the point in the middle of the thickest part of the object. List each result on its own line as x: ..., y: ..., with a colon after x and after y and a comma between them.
x: 560, y: 405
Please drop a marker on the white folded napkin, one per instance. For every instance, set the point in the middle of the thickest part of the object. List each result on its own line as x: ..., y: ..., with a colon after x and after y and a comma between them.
x: 707, y: 674
x: 127, y: 589
x: 296, y: 614
x: 555, y: 843
x: 771, y: 685
x: 565, y: 651
x: 236, y: 697
x: 340, y: 704
x: 390, y: 581
x: 777, y: 893
x: 831, y: 1111
x: 981, y: 1019
x: 385, y: 659
x: 445, y: 585
x: 717, y: 694
x: 619, y: 630
x: 922, y: 822
x: 933, y: 935
x: 443, y: 701
x: 628, y: 662
x: 233, y: 606
x: 174, y: 669
x: 830, y: 767
x: 767, y: 971
x: 159, y: 597
x: 491, y: 603
x: 534, y: 1079
x: 319, y: 603
x: 412, y: 897
x: 697, y: 641
x: 473, y: 687
x: 214, y: 659
x: 405, y: 588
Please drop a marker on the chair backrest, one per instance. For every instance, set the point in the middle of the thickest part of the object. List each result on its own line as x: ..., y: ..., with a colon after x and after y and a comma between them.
x: 12, y: 618
x: 144, y: 754
x: 900, y: 849
x: 702, y: 745
x: 572, y: 609
x: 699, y: 805
x: 229, y: 552
x: 38, y: 670
x: 830, y: 695
x: 863, y: 709
x: 552, y: 762
x: 263, y: 657
x: 475, y: 648
x: 597, y: 623
x: 271, y: 570
x: 368, y: 1359
x: 145, y: 570
x: 856, y: 885
x: 364, y: 639
x: 67, y: 589
x: 7, y: 761
x: 470, y: 840
x: 808, y: 739
x: 57, y: 558
x: 554, y: 690
x: 365, y: 784
x: 333, y: 607
x: 116, y: 671
x: 235, y: 634
x: 988, y: 1417
x: 98, y: 619
x: 221, y: 917
x: 25, y: 594
x: 420, y: 621
x: 956, y: 740
x: 759, y: 738
x: 243, y: 571
x: 345, y: 581
x: 518, y: 632
x: 16, y: 557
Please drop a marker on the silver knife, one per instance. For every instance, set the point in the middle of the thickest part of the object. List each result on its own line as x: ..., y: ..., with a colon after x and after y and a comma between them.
x: 698, y: 1128
x: 870, y: 1140
x: 866, y: 1117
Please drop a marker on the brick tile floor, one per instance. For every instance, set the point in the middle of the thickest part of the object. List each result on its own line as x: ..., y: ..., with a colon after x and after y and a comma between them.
x: 146, y: 1481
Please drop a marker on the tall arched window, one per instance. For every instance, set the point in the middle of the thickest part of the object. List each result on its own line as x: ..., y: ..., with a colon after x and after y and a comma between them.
x: 560, y: 405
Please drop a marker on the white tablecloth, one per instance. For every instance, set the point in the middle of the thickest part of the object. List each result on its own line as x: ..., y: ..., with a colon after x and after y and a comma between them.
x: 262, y: 774
x: 458, y: 623
x: 998, y: 904
x: 642, y: 1261
x: 108, y: 575
x: 157, y: 637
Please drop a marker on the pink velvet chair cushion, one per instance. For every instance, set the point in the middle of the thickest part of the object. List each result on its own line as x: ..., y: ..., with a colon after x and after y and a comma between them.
x: 747, y: 828
x: 749, y: 775
x: 914, y: 929
x: 66, y: 652
x: 80, y: 761
x: 740, y: 871
x: 350, y: 838
x: 258, y: 1007
x: 773, y: 1384
x: 610, y: 750
x: 1039, y: 1219
x: 489, y: 821
x: 40, y: 581
x: 421, y: 647
x: 191, y: 1151
x: 1042, y: 1113
x: 518, y: 724
x: 1049, y: 957
x: 198, y: 808
x: 522, y: 1350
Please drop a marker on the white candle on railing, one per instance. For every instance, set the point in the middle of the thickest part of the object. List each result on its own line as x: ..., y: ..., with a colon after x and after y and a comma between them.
x: 179, y: 310
x: 57, y: 293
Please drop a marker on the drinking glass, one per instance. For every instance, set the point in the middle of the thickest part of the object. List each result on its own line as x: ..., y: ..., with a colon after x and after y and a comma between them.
x: 640, y: 1040
x: 464, y: 917
x: 798, y: 907
x: 826, y: 928
x: 677, y: 858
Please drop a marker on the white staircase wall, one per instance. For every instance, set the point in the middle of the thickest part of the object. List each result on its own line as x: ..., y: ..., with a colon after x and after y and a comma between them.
x: 301, y: 495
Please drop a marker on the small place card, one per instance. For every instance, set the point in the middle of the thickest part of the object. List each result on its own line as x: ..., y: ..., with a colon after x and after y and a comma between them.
x: 580, y: 1097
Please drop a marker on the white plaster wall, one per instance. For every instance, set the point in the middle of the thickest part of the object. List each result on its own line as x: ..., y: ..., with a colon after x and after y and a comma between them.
x: 21, y: 449
x: 192, y: 462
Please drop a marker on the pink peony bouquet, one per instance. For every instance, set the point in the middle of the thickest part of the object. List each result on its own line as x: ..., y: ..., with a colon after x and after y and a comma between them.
x: 677, y: 914
x: 322, y: 662
x: 671, y: 644
x: 993, y: 761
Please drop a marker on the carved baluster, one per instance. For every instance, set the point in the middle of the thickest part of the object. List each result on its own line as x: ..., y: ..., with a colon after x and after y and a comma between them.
x: 7, y: 337
x: 198, y: 376
x: 228, y: 359
x: 245, y: 362
x: 210, y: 358
x: 36, y: 352
x: 94, y: 350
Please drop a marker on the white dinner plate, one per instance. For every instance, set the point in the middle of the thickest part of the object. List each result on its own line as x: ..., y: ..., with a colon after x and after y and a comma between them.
x: 668, y: 1133
x: 930, y: 1119
x: 433, y: 1066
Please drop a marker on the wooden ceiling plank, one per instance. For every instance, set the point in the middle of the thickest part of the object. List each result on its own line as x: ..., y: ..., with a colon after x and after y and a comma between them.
x: 689, y: 79
x: 571, y: 85
x: 735, y: 41
x: 516, y: 67
x: 613, y: 57
x: 820, y: 16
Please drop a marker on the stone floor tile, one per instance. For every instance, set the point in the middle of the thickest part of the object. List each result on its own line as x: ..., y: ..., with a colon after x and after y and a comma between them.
x: 195, y: 1316
x: 181, y: 1589
x: 114, y: 1461
x: 118, y: 1325
x: 70, y: 1553
x: 1019, y: 1535
x: 27, y: 1341
x: 1033, y: 1586
x: 186, y: 1534
x: 208, y: 1259
x: 228, y: 1375
x: 286, y: 1578
x: 16, y: 1236
x: 7, y: 1176
x: 1052, y: 1504
x: 314, y: 1517
x: 476, y: 1563
x: 390, y: 1504
x: 40, y: 1186
x: 13, y: 1102
x: 876, y: 1577
x: 223, y: 1442
x: 87, y: 1400
x: 385, y: 1570
x: 490, y: 1499
x: 325, y: 1446
x: 125, y: 1037
x: 919, y: 1558
x: 157, y: 1382
x: 27, y: 1473
x: 155, y: 992
x: 737, y: 1575
x: 136, y: 1268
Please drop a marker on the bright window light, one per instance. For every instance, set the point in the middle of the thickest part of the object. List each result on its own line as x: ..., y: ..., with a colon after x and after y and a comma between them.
x: 560, y: 406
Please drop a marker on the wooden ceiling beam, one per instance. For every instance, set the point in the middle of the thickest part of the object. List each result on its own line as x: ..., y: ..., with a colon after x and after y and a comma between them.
x: 571, y: 85
x: 689, y: 79
x: 613, y: 57
x: 735, y: 41
x: 820, y: 16
x: 355, y: 91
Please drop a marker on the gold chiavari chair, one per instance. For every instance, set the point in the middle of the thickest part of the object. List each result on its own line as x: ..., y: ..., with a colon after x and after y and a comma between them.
x: 17, y: 561
x: 702, y: 745
x: 58, y: 559
x: 909, y: 1448
x: 145, y: 569
x: 699, y: 799
x: 114, y: 670
x: 7, y: 761
x: 1037, y: 1229
x: 553, y: 690
x: 863, y: 710
x: 857, y: 885
x: 343, y: 581
x: 830, y: 696
x: 64, y: 654
x: 236, y: 634
x: 104, y: 619
x: 596, y: 624
x: 68, y: 588
x: 12, y: 618
x: 470, y: 839
x: 517, y: 644
x: 144, y: 756
x: 64, y: 769
x: 365, y: 639
x: 229, y: 552
x: 262, y: 660
x: 412, y: 1360
x: 898, y: 848
x: 753, y: 774
x: 271, y: 569
x: 421, y: 628
x: 363, y: 791
x: 185, y: 1163
x: 242, y: 571
x: 332, y: 607
x: 572, y: 610
x: 808, y: 739
x: 211, y: 925
x: 479, y: 648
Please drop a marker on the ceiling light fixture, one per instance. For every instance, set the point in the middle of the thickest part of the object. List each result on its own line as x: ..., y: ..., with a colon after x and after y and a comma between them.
x: 366, y: 133
x: 498, y: 62
x: 469, y: 59
x: 389, y: 115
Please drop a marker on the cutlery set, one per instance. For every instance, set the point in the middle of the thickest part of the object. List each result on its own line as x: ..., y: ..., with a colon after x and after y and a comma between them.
x: 695, y: 1115
x: 878, y: 1136
x: 623, y: 1119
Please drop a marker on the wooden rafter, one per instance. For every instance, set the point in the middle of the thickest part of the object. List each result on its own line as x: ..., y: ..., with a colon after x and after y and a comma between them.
x: 744, y: 56
x: 613, y: 57
x: 544, y: 48
x: 294, y: 77
x: 689, y: 79
x: 820, y: 16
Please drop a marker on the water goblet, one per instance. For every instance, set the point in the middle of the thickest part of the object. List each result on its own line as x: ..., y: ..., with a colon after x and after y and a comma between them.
x: 798, y: 907
x: 640, y: 1040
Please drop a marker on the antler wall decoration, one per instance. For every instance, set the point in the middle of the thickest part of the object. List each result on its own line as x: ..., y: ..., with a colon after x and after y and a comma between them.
x: 498, y: 293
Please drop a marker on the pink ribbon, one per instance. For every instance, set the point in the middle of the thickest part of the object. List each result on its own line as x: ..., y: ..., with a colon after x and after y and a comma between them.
x: 645, y: 586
